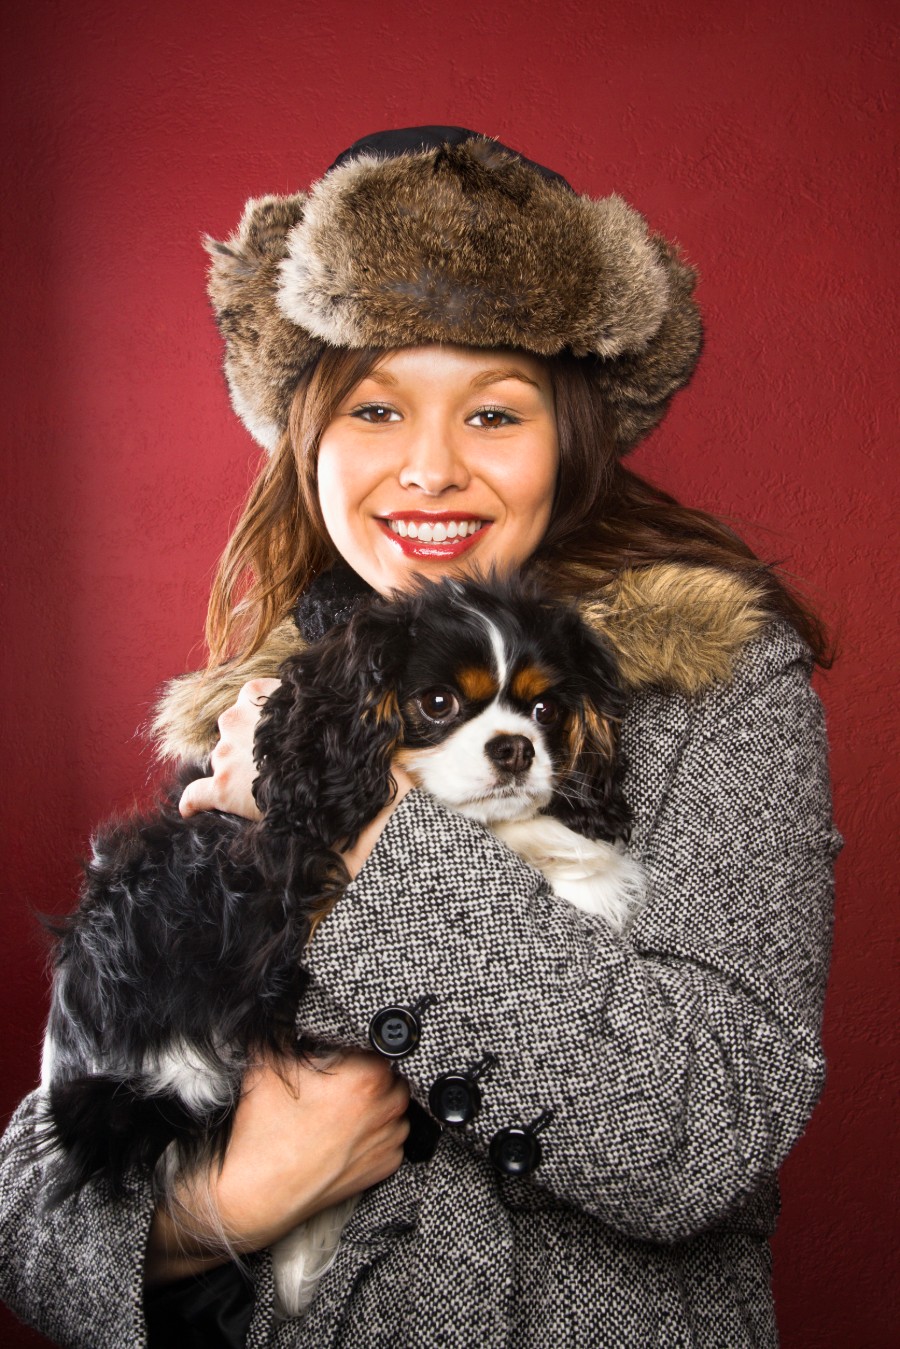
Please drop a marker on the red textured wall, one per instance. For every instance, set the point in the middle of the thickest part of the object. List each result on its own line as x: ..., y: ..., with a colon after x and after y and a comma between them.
x: 757, y: 134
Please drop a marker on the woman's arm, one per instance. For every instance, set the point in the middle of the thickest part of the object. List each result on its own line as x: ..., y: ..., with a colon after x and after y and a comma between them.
x: 75, y: 1271
x: 304, y: 1138
x: 681, y: 1063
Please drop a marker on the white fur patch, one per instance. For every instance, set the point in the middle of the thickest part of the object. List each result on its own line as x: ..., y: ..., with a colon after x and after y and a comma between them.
x: 182, y: 1070
x: 48, y: 1060
x: 595, y: 876
x: 496, y: 640
x: 301, y: 1258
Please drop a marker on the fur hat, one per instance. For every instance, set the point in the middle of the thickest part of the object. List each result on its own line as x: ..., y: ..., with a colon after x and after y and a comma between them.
x: 437, y: 234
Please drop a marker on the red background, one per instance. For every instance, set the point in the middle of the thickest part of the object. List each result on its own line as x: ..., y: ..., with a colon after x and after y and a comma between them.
x: 757, y: 135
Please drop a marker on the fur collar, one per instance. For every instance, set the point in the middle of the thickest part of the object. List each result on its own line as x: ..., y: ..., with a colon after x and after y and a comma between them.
x: 672, y: 626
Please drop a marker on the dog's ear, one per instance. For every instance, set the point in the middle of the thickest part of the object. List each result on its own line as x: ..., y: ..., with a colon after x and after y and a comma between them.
x: 589, y: 796
x: 326, y: 737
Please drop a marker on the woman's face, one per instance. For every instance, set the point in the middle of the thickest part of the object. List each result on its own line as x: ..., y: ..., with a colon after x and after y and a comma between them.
x: 441, y: 460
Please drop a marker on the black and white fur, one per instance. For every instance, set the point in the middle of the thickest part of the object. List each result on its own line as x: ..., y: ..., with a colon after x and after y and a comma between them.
x: 185, y: 957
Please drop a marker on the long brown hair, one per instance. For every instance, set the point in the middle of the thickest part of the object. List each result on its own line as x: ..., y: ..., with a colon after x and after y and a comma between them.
x: 604, y: 517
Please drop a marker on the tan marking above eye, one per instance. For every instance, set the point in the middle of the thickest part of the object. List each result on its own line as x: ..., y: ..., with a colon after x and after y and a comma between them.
x: 476, y: 683
x: 529, y: 683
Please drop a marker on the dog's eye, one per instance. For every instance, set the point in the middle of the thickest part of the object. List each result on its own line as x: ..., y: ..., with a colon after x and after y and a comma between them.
x: 438, y: 704
x: 545, y: 712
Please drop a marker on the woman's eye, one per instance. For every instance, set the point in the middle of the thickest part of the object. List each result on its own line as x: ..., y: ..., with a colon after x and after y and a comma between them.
x: 375, y: 413
x: 438, y: 704
x: 545, y: 712
x: 494, y: 417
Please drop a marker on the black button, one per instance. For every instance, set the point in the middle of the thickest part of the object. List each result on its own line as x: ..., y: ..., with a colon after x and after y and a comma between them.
x: 515, y: 1151
x: 454, y: 1098
x: 394, y: 1032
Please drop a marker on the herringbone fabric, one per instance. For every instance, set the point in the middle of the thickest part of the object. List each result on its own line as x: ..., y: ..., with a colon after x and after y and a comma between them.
x: 680, y: 1063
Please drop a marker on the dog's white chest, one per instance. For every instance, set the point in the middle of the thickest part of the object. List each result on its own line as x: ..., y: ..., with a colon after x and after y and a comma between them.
x: 596, y: 877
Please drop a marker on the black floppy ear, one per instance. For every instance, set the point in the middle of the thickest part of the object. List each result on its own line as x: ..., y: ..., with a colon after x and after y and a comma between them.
x: 326, y: 737
x: 589, y: 796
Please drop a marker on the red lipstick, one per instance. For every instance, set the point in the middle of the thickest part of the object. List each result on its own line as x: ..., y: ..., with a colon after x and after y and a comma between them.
x: 446, y: 550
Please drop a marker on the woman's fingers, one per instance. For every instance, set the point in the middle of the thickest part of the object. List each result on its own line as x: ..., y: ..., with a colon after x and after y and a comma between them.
x: 306, y: 1137
x: 230, y: 785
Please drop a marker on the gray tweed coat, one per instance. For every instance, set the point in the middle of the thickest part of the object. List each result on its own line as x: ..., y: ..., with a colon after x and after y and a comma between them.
x: 681, y: 1063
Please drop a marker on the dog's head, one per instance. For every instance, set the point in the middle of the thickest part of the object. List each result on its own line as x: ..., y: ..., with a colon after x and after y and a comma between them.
x: 499, y: 701
x: 509, y: 706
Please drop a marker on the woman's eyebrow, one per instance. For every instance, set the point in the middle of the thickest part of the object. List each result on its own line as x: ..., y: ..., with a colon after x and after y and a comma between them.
x: 494, y: 376
x: 379, y: 377
x: 478, y: 382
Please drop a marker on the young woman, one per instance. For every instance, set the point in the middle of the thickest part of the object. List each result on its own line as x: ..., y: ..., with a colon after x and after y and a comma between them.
x: 447, y: 352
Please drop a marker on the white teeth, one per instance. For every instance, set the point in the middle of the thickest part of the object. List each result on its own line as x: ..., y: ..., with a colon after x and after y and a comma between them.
x: 438, y: 532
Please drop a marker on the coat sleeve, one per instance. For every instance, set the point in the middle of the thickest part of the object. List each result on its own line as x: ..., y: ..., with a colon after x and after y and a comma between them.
x: 680, y: 1062
x: 74, y: 1272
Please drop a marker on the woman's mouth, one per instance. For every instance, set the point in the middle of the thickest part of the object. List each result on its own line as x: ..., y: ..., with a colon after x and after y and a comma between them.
x: 436, y: 536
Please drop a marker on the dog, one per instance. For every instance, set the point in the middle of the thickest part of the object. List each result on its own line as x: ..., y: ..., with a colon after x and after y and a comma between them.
x: 184, y: 959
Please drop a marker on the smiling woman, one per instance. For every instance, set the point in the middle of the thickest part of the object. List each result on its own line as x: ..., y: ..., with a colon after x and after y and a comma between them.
x: 440, y: 456
x: 447, y: 353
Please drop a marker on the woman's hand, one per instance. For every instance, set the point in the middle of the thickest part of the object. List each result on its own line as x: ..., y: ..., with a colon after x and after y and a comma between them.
x: 304, y: 1138
x: 233, y: 767
x: 234, y: 771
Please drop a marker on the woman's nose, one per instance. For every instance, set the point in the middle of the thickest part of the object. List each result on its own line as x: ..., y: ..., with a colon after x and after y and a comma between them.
x: 433, y: 463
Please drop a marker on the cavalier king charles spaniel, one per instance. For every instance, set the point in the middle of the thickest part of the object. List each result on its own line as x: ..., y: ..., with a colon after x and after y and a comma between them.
x: 185, y: 957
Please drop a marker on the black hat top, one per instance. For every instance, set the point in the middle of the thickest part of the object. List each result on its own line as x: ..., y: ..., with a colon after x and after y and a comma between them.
x: 413, y: 139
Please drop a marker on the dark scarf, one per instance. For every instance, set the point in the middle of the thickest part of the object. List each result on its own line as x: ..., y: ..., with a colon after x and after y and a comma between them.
x: 333, y: 598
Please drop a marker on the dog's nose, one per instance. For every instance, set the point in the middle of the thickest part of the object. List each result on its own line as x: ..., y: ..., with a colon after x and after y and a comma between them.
x: 512, y: 753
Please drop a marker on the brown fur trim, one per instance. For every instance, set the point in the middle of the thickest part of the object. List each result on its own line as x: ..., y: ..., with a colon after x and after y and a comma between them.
x: 185, y: 725
x: 467, y: 244
x: 677, y: 627
x: 672, y: 626
x: 265, y: 353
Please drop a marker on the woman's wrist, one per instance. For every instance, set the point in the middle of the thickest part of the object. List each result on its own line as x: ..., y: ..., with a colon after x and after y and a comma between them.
x: 174, y: 1252
x: 203, y: 1225
x: 356, y: 857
